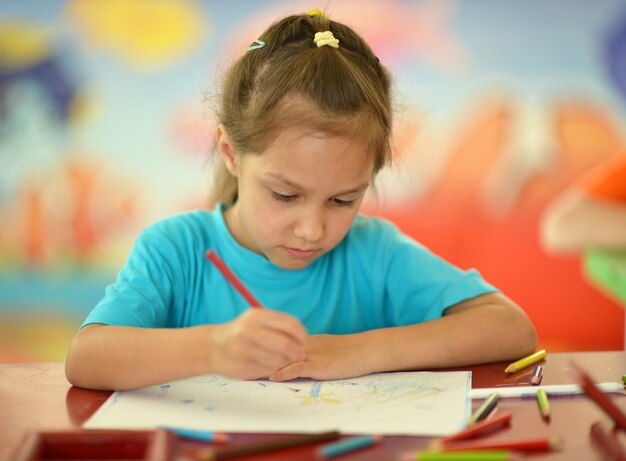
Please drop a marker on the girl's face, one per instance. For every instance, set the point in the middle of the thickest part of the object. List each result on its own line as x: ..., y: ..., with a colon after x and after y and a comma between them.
x: 298, y: 198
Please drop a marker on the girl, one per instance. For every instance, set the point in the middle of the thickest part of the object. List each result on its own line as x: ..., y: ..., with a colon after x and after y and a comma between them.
x: 304, y: 128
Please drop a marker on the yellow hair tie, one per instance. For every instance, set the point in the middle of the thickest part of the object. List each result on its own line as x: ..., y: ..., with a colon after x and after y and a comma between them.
x: 316, y: 12
x: 326, y: 38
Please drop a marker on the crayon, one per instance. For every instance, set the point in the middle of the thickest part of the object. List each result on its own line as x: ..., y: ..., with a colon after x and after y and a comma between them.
x: 482, y: 411
x: 544, y: 403
x: 480, y: 428
x: 599, y: 398
x: 346, y: 446
x: 523, y: 445
x: 232, y: 278
x: 487, y: 455
x: 266, y: 446
x: 537, y: 376
x: 195, y: 434
x: 607, y: 442
x: 525, y: 361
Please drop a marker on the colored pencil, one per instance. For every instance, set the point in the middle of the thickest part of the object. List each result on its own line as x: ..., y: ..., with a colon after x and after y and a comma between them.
x: 482, y: 411
x: 607, y: 442
x: 551, y: 390
x: 537, y: 376
x: 525, y: 361
x: 544, y: 403
x: 599, y: 398
x: 266, y: 446
x: 480, y: 428
x: 346, y: 446
x: 486, y: 455
x: 528, y: 445
x: 232, y: 278
x: 195, y: 434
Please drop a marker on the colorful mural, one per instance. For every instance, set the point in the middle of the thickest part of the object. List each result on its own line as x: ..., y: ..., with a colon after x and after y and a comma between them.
x: 106, y: 125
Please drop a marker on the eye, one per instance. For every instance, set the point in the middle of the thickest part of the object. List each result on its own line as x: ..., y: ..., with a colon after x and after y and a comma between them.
x: 283, y: 197
x: 343, y: 203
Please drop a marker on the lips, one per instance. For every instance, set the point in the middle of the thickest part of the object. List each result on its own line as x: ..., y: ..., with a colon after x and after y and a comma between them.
x: 301, y: 253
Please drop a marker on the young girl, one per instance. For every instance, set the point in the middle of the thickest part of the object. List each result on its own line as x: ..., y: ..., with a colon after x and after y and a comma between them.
x: 304, y: 129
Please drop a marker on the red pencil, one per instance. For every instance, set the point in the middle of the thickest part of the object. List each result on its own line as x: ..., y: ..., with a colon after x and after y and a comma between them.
x: 590, y: 388
x: 479, y: 428
x: 232, y: 278
x: 528, y: 445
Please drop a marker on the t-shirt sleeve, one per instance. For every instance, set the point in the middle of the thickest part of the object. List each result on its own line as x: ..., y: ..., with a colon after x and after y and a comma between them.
x: 608, y: 180
x: 422, y: 285
x: 143, y: 291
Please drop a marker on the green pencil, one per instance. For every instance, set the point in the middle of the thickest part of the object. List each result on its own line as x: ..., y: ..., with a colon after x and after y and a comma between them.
x: 482, y: 411
x: 471, y: 455
x: 543, y: 402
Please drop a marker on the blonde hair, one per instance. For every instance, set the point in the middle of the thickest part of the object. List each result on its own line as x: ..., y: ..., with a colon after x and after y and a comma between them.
x: 290, y: 81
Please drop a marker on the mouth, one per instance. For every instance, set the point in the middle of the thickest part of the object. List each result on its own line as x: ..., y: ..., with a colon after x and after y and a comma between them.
x: 305, y: 254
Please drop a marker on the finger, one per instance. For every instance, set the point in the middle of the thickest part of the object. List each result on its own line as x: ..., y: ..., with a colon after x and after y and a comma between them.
x: 293, y: 371
x: 246, y: 362
x: 280, y: 321
x: 261, y: 348
x: 269, y: 361
x: 252, y: 331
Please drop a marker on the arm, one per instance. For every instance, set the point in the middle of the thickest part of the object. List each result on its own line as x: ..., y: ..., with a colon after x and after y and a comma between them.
x: 483, y: 329
x: 575, y: 221
x: 254, y: 345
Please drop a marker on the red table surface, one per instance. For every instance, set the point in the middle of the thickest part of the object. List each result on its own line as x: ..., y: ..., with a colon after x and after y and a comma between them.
x: 37, y: 397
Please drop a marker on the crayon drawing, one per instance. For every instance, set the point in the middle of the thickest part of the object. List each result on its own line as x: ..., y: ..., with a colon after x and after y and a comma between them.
x: 403, y: 403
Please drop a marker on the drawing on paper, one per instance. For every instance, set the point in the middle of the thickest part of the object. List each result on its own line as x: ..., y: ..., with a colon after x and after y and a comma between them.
x: 417, y: 403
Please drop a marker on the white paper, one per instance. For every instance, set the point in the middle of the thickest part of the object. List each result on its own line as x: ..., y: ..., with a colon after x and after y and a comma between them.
x: 403, y: 403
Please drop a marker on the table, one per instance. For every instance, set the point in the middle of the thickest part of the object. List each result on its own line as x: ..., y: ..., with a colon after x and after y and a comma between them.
x: 36, y: 396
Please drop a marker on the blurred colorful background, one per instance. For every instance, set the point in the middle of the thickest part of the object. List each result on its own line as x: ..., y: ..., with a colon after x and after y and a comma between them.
x: 106, y: 121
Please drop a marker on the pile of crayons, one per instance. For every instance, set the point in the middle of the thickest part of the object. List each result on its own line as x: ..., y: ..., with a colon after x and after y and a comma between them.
x: 464, y: 446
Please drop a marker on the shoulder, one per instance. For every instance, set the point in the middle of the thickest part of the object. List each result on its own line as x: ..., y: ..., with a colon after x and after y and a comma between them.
x: 181, y: 233
x: 372, y: 226
x: 183, y: 225
x: 377, y: 238
x: 367, y: 229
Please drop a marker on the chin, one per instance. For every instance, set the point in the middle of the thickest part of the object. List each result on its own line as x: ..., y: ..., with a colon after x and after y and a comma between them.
x: 291, y: 263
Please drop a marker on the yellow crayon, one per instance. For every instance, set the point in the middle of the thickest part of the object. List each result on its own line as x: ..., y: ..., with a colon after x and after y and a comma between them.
x: 524, y: 362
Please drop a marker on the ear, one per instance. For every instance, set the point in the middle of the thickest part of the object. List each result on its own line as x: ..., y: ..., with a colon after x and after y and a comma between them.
x: 226, y: 150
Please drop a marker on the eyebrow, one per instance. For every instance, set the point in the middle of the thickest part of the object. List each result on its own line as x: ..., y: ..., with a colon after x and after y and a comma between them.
x: 290, y: 183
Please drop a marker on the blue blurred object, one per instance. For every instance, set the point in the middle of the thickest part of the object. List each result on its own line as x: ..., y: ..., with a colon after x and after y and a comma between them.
x: 616, y: 55
x: 50, y: 76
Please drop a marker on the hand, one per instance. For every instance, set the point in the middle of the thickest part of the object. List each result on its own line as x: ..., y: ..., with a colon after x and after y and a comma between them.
x: 257, y: 344
x: 329, y: 357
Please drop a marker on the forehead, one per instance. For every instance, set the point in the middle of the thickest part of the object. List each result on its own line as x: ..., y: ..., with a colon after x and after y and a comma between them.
x: 308, y: 157
x: 294, y: 112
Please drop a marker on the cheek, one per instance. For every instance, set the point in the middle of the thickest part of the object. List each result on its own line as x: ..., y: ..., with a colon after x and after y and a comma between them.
x: 341, y: 225
x: 264, y: 215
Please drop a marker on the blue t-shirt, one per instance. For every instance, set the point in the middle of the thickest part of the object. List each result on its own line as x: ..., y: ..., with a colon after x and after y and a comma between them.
x: 375, y: 277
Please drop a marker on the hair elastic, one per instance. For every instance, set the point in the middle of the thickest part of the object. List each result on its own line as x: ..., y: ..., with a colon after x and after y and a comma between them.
x: 316, y: 12
x: 256, y: 45
x: 326, y: 38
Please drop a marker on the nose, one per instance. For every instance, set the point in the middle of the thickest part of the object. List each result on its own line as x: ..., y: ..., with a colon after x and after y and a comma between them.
x: 310, y: 225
